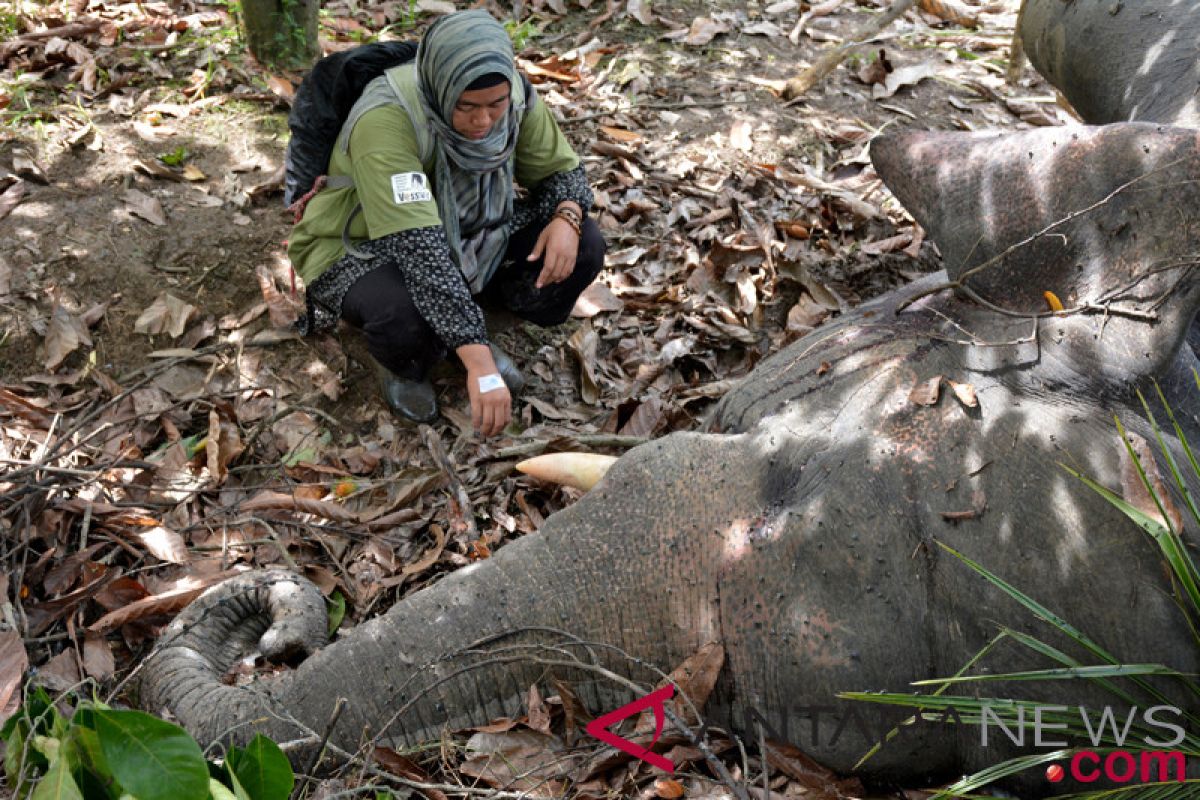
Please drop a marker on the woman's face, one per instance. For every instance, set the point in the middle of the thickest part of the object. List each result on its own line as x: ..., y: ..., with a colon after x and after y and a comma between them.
x: 477, y: 110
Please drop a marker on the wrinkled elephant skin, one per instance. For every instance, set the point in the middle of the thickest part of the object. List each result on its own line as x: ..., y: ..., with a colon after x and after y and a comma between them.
x: 801, y: 531
x: 1118, y: 60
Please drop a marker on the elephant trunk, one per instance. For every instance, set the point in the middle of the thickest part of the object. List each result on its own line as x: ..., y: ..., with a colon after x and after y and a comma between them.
x: 277, y: 612
x: 467, y: 649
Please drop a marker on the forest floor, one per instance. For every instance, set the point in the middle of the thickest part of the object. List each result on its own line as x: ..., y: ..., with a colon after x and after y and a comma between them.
x: 162, y: 426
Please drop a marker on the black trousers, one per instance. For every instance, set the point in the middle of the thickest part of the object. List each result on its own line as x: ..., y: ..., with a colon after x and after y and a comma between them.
x: 399, y: 338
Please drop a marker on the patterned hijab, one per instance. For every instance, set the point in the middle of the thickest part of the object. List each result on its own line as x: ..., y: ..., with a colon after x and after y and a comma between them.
x: 474, y: 177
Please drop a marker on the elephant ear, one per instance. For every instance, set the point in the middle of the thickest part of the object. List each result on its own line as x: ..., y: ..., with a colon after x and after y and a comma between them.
x: 1083, y: 212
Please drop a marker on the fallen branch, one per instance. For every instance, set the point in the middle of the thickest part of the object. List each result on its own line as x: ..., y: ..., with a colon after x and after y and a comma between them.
x: 1016, y: 52
x: 581, y: 440
x: 809, y: 78
x: 436, y: 449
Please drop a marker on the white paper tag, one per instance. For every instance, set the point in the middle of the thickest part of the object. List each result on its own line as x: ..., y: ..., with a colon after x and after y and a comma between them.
x: 490, y: 383
x: 410, y: 187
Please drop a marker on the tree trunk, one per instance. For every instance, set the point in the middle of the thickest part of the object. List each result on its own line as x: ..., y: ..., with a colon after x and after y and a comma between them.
x: 282, y: 33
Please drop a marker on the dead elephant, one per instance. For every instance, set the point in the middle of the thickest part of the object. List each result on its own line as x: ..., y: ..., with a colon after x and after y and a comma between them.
x: 801, y: 532
x: 1118, y: 60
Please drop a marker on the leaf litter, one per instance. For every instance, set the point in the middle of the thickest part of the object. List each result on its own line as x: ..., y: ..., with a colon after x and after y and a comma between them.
x: 215, y: 441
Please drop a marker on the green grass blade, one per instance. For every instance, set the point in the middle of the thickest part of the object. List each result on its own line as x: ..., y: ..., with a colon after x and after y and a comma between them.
x: 987, y: 648
x: 1175, y: 790
x: 1063, y: 673
x: 1048, y: 616
x: 1003, y: 770
x: 1187, y: 451
x: 1054, y: 654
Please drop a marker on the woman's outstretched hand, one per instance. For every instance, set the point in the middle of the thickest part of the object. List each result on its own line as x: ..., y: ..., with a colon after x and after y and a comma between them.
x: 491, y: 402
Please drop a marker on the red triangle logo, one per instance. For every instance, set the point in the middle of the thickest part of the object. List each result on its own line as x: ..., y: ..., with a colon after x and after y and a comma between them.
x: 599, y: 727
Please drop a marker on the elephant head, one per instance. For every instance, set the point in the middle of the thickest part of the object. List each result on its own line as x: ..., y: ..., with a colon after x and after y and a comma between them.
x: 801, y: 530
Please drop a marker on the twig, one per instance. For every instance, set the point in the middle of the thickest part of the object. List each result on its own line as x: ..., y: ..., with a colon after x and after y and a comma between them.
x: 809, y: 78
x: 1016, y: 52
x: 582, y: 440
x: 960, y: 282
x: 278, y: 542
x: 433, y: 442
x: 816, y: 11
x: 657, y: 107
x: 306, y: 775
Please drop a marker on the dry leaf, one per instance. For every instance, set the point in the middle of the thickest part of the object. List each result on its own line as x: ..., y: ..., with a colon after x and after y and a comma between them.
x: 595, y: 299
x: 625, y: 258
x: 621, y: 135
x: 763, y: 28
x: 703, y: 31
x: 876, y: 70
x: 98, y: 661
x: 583, y: 344
x: 739, y: 136
x: 26, y: 167
x: 60, y: 673
x: 156, y: 169
x: 192, y: 173
x: 951, y: 11
x: 282, y: 88
x: 888, y: 245
x: 695, y: 678
x: 646, y: 419
x: 926, y: 393
x: 640, y: 10
x: 901, y: 77
x: 805, y: 315
x: 165, y: 545
x: 965, y: 393
x: 11, y: 197
x: 404, y: 767
x: 668, y: 789
x: 519, y: 760
x: 274, y: 500
x: 165, y: 603
x: 818, y: 782
x: 1134, y: 491
x: 281, y: 310
x: 64, y: 334
x: 13, y: 663
x: 167, y: 314
x: 538, y: 717
x: 144, y: 206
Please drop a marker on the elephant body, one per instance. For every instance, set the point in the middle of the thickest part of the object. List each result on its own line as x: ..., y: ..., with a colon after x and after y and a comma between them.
x: 801, y: 531
x: 1118, y: 60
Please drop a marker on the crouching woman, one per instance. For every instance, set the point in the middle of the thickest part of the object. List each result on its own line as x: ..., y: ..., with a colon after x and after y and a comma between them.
x: 419, y: 219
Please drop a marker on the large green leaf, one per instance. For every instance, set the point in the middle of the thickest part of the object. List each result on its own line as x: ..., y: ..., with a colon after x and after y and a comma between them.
x: 58, y: 784
x: 262, y: 769
x: 219, y: 791
x: 150, y: 758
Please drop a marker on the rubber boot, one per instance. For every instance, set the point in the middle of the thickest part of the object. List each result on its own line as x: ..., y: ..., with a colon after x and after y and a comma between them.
x: 508, y: 370
x: 413, y: 400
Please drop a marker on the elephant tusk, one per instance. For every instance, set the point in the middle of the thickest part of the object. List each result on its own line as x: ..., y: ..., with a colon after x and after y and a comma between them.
x: 581, y: 470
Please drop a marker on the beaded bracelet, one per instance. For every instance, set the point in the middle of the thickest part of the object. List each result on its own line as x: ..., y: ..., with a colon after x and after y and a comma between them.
x: 567, y: 213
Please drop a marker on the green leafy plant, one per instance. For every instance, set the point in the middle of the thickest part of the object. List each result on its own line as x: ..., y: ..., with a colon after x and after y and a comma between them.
x: 521, y: 33
x: 176, y: 157
x: 100, y: 753
x: 1164, y: 530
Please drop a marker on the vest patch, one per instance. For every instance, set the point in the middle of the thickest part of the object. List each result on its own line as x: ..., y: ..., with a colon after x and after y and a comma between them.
x: 410, y: 187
